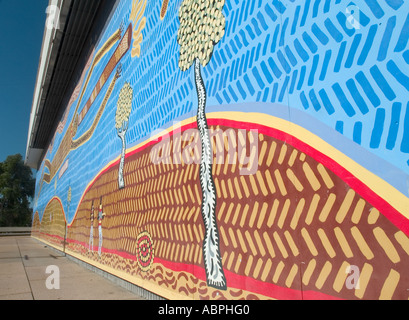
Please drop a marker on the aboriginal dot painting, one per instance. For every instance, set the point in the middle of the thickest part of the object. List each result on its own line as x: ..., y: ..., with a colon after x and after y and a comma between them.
x: 230, y: 149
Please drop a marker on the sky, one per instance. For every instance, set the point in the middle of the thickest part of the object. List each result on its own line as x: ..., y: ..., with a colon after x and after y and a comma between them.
x: 22, y: 25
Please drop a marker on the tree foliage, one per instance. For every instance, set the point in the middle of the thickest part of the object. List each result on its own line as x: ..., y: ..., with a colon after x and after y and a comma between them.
x: 123, y: 110
x: 16, y: 190
x: 201, y: 27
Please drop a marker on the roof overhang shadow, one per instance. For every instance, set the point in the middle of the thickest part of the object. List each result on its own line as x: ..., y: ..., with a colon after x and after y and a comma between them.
x: 60, y: 53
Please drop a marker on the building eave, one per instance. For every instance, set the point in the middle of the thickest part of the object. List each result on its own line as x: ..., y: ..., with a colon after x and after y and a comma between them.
x: 60, y: 53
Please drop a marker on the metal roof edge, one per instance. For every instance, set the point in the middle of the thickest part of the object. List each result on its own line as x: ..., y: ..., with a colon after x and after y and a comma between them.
x: 49, y: 50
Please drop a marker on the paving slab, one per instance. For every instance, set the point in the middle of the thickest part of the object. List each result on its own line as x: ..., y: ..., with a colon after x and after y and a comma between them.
x: 24, y: 276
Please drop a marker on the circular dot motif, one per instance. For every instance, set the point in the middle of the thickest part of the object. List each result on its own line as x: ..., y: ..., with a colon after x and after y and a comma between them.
x: 144, y: 251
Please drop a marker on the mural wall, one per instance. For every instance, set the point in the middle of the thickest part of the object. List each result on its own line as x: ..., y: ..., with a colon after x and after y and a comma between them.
x: 239, y: 149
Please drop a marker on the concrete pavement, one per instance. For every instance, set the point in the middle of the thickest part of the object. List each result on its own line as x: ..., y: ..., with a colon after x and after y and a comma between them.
x: 23, y: 264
